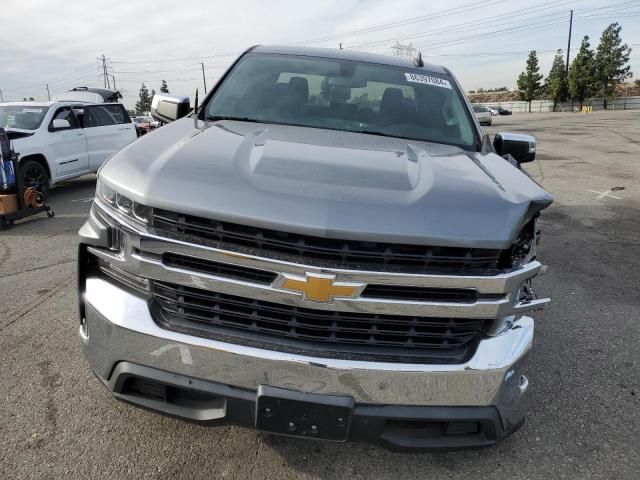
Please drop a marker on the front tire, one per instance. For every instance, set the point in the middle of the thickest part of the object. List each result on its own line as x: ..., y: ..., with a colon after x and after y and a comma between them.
x: 33, y: 174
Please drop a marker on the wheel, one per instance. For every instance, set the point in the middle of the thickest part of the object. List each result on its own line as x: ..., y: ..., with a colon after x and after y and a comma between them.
x: 35, y: 175
x: 50, y: 213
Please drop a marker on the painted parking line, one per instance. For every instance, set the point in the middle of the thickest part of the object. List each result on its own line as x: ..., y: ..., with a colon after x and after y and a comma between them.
x: 605, y: 194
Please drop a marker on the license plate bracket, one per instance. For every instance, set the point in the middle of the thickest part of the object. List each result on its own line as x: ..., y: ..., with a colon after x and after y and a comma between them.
x: 300, y: 414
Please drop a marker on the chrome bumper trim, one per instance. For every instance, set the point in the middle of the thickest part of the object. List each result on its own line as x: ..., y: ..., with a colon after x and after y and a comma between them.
x: 119, y: 327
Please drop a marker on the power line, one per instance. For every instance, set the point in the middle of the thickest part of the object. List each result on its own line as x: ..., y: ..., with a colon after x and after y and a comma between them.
x: 400, y: 23
x: 447, y: 35
x: 494, y: 18
x: 490, y: 20
x: 442, y: 13
x: 487, y: 54
x: 169, y: 60
x: 155, y: 71
x: 39, y: 84
x: 516, y: 29
x: 464, y: 8
x: 149, y: 80
x: 629, y: 3
x: 451, y: 11
x: 463, y: 39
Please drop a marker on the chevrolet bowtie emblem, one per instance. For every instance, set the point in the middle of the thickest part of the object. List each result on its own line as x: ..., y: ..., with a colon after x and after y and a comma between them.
x: 318, y: 287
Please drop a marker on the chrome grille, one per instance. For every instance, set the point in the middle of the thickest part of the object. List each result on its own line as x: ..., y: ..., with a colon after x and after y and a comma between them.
x: 326, y: 252
x: 217, y: 268
x: 282, y: 327
x: 265, y: 277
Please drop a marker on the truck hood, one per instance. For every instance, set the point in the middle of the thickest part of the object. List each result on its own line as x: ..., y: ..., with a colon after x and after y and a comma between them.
x: 328, y: 183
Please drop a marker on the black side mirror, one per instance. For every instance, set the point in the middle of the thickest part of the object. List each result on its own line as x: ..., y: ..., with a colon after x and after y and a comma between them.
x: 167, y: 108
x: 521, y: 147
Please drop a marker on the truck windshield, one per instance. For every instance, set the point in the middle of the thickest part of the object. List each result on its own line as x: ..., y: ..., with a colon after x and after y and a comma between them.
x: 345, y: 95
x: 21, y: 116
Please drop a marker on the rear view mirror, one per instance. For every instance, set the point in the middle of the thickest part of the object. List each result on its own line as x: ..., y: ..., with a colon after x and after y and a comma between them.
x: 521, y: 147
x: 60, y: 124
x: 347, y: 82
x: 167, y: 108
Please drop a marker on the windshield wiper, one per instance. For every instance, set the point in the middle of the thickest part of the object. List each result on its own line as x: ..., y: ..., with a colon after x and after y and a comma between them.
x: 382, y: 134
x: 215, y: 118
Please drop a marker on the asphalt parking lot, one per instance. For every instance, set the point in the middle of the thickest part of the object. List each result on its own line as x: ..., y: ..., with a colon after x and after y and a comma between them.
x: 57, y: 421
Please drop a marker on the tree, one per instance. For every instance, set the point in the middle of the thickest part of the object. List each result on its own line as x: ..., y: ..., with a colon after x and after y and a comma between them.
x: 143, y: 104
x: 556, y: 82
x: 529, y: 80
x: 164, y: 88
x: 611, y: 60
x: 581, y: 73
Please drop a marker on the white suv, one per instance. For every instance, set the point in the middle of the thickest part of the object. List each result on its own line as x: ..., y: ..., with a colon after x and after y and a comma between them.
x: 61, y: 140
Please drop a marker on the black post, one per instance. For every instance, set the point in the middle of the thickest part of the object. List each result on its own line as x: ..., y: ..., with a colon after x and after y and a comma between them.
x: 204, y: 79
x: 569, y: 42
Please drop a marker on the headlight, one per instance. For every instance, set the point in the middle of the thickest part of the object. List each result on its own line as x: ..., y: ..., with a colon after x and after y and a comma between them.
x: 123, y: 204
x: 105, y: 193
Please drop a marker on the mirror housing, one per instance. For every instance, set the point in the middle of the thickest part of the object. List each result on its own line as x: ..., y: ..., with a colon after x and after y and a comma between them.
x: 60, y: 124
x: 521, y: 147
x: 167, y: 108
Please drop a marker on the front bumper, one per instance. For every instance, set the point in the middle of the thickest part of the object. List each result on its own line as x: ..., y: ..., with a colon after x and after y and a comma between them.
x: 395, y: 404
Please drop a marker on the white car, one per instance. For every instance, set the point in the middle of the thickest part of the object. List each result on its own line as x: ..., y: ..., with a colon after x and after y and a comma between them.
x: 60, y: 140
x: 494, y: 111
x: 482, y: 113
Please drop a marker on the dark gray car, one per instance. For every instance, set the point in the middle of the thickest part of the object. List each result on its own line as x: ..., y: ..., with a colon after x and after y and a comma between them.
x: 327, y: 248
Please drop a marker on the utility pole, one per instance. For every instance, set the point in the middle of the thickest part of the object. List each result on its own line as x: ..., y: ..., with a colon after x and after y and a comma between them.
x: 340, y: 46
x: 114, y: 82
x: 1, y: 97
x: 104, y: 69
x: 569, y: 41
x: 204, y: 79
x: 48, y: 94
x: 105, y: 72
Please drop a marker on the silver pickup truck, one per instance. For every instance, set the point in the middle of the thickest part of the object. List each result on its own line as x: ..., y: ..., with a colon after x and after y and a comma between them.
x: 327, y: 248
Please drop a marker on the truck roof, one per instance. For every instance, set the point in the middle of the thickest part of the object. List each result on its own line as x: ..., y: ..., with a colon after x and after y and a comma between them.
x: 44, y: 104
x: 354, y: 55
x: 33, y: 104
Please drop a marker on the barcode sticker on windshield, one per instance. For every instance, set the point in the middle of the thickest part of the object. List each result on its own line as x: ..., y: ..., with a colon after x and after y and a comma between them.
x: 435, y: 81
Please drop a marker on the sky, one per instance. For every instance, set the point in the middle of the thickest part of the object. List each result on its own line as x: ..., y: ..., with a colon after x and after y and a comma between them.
x: 485, y: 43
